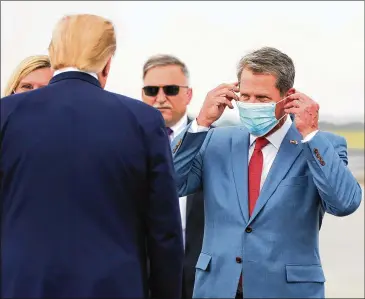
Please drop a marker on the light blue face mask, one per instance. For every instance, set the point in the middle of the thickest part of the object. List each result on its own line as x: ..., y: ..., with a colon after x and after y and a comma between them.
x: 258, y: 118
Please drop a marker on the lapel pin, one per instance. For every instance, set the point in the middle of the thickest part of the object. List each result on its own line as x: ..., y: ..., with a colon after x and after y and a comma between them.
x: 293, y: 142
x: 177, y: 146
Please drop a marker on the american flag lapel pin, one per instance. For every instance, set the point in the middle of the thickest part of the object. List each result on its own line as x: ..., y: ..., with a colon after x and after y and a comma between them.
x: 177, y: 146
x: 293, y: 142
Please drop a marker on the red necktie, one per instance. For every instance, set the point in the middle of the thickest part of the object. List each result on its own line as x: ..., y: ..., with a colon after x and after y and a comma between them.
x: 254, y: 172
x: 254, y: 178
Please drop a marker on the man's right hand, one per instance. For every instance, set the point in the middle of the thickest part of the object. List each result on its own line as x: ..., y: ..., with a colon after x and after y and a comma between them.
x: 215, y: 103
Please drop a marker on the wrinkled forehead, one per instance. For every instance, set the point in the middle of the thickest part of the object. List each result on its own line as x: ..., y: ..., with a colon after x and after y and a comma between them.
x: 165, y: 75
x: 255, y: 82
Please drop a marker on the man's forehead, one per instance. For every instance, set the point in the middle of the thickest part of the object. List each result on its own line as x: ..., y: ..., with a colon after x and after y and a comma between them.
x: 170, y: 74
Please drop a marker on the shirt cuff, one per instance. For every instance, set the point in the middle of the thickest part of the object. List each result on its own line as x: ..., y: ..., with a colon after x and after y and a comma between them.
x: 195, y: 128
x: 309, y: 136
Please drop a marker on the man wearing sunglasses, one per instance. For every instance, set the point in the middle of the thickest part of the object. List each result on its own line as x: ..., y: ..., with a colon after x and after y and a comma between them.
x: 166, y: 87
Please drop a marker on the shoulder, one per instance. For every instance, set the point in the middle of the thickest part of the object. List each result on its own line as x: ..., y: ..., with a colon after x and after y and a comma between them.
x: 227, y: 131
x: 9, y: 104
x: 145, y: 114
x: 13, y: 100
x: 334, y: 138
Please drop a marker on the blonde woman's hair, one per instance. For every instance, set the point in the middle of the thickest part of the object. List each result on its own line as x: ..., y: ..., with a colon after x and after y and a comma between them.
x: 82, y: 41
x: 27, y: 66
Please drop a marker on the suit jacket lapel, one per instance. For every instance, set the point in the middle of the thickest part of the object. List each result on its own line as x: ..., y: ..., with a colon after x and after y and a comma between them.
x: 239, y: 160
x: 287, y: 154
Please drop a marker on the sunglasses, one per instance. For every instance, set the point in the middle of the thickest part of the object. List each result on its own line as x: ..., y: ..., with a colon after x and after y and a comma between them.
x: 169, y: 90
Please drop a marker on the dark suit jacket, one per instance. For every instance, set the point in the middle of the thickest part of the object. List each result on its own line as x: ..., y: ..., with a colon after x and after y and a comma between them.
x: 87, y: 184
x: 194, y: 233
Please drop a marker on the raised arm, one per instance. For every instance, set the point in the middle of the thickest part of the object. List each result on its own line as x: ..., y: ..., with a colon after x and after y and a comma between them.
x: 188, y: 151
x: 341, y: 194
x: 189, y: 147
x: 327, y: 158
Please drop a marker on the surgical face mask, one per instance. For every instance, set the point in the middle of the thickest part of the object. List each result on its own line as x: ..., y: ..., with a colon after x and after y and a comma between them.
x: 258, y: 118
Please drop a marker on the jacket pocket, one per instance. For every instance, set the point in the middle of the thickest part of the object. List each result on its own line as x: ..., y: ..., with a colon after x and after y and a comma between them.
x: 295, y: 181
x: 304, y: 273
x: 203, y: 262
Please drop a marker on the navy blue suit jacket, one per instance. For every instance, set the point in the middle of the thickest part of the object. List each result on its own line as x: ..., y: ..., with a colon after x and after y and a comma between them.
x: 87, y: 184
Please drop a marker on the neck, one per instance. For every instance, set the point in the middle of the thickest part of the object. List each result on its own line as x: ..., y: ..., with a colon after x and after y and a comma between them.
x: 278, y: 126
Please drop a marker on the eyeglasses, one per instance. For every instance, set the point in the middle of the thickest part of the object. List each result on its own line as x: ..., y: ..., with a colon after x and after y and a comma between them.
x: 169, y: 90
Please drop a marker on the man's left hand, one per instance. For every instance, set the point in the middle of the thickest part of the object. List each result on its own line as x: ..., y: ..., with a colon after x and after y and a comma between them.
x: 305, y: 111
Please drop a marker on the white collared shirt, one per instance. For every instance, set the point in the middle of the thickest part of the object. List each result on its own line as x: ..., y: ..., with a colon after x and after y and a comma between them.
x: 179, y: 126
x: 73, y: 69
x: 177, y: 129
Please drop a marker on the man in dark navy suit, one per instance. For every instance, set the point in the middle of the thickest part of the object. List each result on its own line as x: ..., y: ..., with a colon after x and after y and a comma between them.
x: 166, y: 87
x: 87, y: 182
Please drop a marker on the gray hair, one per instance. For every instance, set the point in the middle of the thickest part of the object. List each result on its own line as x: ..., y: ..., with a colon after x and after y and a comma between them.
x: 270, y: 61
x: 164, y: 60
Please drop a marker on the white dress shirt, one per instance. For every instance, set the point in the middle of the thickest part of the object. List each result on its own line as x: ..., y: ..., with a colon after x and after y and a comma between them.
x: 269, y: 151
x: 177, y: 129
x: 73, y: 69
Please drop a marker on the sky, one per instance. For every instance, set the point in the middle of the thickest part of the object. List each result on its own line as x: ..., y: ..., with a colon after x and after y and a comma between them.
x: 324, y: 39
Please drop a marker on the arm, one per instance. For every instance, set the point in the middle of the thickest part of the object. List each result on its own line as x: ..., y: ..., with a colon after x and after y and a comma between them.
x: 188, y: 151
x: 341, y: 194
x: 164, y: 239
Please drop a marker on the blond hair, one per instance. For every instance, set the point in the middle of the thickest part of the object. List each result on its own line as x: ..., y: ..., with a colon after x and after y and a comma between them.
x: 82, y: 41
x: 27, y: 66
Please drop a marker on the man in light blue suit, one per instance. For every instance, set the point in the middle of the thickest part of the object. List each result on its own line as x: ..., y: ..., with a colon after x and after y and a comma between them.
x: 266, y: 184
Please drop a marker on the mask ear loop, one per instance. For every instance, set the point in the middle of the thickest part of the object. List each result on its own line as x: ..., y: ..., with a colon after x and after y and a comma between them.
x: 282, y: 100
x: 284, y: 113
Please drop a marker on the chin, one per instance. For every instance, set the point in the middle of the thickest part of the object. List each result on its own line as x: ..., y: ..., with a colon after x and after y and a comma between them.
x: 166, y: 114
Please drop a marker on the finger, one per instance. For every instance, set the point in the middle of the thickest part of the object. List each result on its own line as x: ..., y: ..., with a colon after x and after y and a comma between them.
x: 229, y: 104
x: 292, y: 111
x: 236, y: 86
x: 301, y: 97
x: 230, y: 94
x: 293, y: 96
x: 224, y: 101
x: 232, y: 86
x: 293, y: 104
x: 227, y: 93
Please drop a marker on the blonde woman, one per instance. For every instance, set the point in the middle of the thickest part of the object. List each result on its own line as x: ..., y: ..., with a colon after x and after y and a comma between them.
x: 32, y: 73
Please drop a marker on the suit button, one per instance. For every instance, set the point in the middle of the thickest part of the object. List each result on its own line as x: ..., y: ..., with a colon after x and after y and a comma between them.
x: 316, y: 150
x: 248, y: 230
x: 238, y: 260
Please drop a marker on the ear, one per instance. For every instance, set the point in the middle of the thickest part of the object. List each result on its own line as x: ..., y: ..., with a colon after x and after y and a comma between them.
x: 190, y: 95
x: 106, y: 69
x: 290, y: 92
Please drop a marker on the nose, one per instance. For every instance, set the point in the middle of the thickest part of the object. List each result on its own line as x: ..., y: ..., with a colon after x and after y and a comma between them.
x: 161, y: 97
x: 252, y: 99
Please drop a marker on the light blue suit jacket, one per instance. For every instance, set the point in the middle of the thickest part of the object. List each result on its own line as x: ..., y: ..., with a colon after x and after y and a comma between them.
x: 276, y: 248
